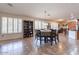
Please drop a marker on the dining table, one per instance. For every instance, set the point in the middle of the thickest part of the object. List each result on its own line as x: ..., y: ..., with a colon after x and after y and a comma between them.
x: 45, y: 34
x: 48, y: 35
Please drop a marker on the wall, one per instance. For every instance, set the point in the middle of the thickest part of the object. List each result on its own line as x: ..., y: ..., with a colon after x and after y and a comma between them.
x: 10, y: 36
x: 13, y: 35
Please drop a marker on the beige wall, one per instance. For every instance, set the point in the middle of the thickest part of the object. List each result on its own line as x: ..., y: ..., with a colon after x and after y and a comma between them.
x: 10, y: 36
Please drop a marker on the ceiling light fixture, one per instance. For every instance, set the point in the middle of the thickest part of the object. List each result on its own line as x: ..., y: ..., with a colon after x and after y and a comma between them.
x: 10, y: 5
x: 46, y: 14
x: 45, y: 11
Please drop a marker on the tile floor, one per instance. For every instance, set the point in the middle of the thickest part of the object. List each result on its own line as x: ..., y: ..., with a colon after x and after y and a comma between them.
x: 30, y: 46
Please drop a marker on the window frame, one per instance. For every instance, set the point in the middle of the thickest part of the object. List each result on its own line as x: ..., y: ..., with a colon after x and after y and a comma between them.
x: 12, y: 26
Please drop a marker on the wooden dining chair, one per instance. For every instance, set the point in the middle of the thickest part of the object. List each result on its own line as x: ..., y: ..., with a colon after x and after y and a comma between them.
x: 57, y: 36
x: 54, y: 36
x: 38, y: 35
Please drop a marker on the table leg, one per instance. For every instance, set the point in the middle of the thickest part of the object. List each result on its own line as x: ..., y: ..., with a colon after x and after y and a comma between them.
x: 45, y: 40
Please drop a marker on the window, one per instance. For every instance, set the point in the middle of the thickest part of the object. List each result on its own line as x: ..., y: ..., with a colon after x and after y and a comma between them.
x: 40, y: 24
x: 4, y: 25
x: 15, y: 25
x: 36, y: 24
x: 19, y: 25
x: 44, y: 25
x: 10, y: 25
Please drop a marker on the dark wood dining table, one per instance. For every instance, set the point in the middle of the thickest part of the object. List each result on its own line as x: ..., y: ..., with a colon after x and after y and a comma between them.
x: 45, y: 34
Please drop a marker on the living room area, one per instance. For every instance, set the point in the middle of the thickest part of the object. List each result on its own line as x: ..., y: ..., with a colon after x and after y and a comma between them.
x: 39, y: 29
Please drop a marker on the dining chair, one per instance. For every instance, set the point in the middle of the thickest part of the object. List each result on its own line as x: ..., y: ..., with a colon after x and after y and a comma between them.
x: 54, y: 36
x: 38, y: 35
x: 57, y: 36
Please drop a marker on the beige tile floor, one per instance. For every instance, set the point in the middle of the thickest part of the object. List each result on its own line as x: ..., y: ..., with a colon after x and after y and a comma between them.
x: 30, y: 46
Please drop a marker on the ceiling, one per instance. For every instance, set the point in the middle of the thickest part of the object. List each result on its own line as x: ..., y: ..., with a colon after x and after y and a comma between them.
x: 43, y: 10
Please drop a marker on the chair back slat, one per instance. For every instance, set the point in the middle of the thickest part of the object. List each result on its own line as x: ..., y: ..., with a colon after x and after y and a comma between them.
x: 53, y: 32
x: 38, y: 33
